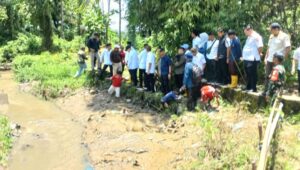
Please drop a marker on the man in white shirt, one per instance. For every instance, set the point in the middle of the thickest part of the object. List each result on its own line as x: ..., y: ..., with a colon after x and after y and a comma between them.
x: 211, y: 54
x: 279, y: 42
x: 150, y: 70
x: 196, y: 39
x: 132, y: 62
x: 142, y: 65
x: 252, y: 52
x: 105, y: 59
x: 198, y: 59
x: 296, y: 60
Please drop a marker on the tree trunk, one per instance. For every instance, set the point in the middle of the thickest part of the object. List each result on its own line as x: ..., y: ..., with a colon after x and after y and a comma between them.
x: 107, y: 21
x: 62, y: 20
x: 120, y: 21
x: 10, y: 14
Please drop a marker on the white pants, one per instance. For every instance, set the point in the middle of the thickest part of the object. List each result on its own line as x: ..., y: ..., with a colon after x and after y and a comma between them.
x: 113, y: 89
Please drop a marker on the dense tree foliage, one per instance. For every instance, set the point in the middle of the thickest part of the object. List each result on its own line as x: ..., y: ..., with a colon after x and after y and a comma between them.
x: 170, y: 21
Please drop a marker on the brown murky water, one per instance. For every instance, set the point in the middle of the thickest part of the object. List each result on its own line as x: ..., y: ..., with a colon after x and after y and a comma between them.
x: 49, y: 138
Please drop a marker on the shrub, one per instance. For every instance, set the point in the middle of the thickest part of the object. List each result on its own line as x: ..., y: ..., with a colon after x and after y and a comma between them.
x: 5, y: 140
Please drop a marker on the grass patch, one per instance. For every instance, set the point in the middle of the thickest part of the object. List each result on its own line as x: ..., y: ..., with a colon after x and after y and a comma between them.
x: 5, y: 140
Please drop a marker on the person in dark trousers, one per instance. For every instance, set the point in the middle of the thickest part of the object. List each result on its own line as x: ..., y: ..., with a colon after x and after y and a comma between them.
x: 252, y: 52
x: 142, y: 66
x: 210, y: 54
x: 105, y: 59
x: 150, y: 70
x: 192, y: 89
x: 165, y: 71
x: 132, y: 62
x: 122, y: 55
x: 94, y: 45
x: 222, y: 66
x: 233, y: 57
x: 296, y: 63
x: 179, y: 67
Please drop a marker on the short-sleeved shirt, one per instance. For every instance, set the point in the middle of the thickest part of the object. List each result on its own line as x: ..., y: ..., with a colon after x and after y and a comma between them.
x: 296, y: 56
x: 196, y: 42
x: 278, y: 44
x: 117, y: 80
x: 171, y: 96
x: 199, y: 60
x: 165, y: 63
x: 213, y: 45
x: 150, y: 59
x: 207, y: 93
x: 93, y: 44
x: 236, y: 51
x: 250, y: 50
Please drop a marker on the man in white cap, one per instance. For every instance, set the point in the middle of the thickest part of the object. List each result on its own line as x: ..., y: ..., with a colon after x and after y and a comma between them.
x: 279, y: 42
x: 115, y: 58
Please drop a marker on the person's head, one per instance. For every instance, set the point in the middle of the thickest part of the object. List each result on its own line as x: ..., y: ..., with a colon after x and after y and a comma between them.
x: 129, y: 43
x: 96, y: 36
x: 203, y: 82
x: 189, y: 57
x: 116, y: 48
x: 275, y: 28
x: 185, y: 46
x: 194, y: 33
x: 231, y: 34
x: 278, y: 58
x: 119, y: 72
x: 162, y: 52
x: 181, y: 50
x: 108, y: 46
x: 82, y: 48
x: 194, y: 51
x: 211, y: 36
x: 220, y: 32
x: 248, y: 30
x: 145, y: 46
x: 128, y: 48
x: 148, y: 48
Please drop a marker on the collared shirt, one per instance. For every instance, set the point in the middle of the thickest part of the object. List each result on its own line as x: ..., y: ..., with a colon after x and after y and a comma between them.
x: 150, y: 59
x: 214, y: 49
x: 93, y: 44
x: 250, y: 50
x: 188, y: 75
x: 278, y: 44
x: 132, y: 59
x: 199, y: 60
x: 296, y: 56
x: 105, y: 57
x: 236, y: 51
x: 142, y: 59
x: 187, y: 52
x: 165, y: 63
x: 196, y: 42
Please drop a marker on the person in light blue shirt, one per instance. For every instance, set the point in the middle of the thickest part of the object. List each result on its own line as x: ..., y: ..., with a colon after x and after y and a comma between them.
x: 196, y: 39
x: 142, y: 65
x: 105, y: 59
x: 132, y: 62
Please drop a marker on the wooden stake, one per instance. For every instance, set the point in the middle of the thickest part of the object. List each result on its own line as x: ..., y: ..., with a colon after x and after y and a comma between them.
x: 260, y: 133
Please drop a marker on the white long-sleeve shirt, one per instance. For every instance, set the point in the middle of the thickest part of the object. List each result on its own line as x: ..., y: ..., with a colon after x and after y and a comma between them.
x: 105, y: 57
x: 150, y: 59
x: 143, y: 59
x: 132, y: 59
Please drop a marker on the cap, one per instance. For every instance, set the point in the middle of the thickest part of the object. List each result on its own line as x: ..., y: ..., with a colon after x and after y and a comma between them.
x: 204, y: 81
x: 220, y: 29
x: 185, y: 46
x: 117, y: 46
x: 280, y: 56
x: 161, y: 49
x: 275, y: 25
x: 231, y: 32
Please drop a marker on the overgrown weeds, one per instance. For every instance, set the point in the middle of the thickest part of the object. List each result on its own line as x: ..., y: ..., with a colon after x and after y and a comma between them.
x: 5, y: 140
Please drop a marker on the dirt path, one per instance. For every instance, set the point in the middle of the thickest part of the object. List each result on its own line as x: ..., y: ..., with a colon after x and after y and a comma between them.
x: 123, y: 136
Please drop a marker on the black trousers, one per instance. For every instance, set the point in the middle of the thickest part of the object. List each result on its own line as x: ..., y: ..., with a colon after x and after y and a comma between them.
x: 165, y: 88
x: 299, y: 81
x: 142, y: 77
x: 150, y: 81
x: 193, y: 96
x: 178, y: 80
x: 222, y: 71
x: 210, y: 70
x: 251, y: 72
x: 110, y: 69
x: 133, y: 76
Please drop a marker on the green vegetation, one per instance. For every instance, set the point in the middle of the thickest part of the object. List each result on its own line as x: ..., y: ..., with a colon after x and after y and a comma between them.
x: 5, y: 140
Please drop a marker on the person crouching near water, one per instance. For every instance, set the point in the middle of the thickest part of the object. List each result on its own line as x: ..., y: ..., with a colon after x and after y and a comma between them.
x: 208, y: 94
x: 81, y: 62
x: 276, y: 78
x: 116, y: 80
x: 169, y: 97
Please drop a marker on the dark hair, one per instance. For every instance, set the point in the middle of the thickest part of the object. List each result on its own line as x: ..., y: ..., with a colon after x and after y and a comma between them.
x: 248, y: 27
x: 161, y: 49
x: 119, y: 72
x: 127, y: 47
x: 196, y: 32
x: 108, y: 44
x: 145, y: 45
x: 279, y: 57
x: 231, y: 32
x: 211, y: 33
x: 129, y: 43
x: 148, y: 48
x: 96, y: 34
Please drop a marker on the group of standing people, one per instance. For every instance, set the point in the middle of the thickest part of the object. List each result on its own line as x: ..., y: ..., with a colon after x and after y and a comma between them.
x: 215, y: 59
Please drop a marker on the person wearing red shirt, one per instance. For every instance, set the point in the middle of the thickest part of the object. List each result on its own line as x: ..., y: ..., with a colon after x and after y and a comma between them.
x: 116, y: 84
x: 122, y: 54
x: 208, y: 93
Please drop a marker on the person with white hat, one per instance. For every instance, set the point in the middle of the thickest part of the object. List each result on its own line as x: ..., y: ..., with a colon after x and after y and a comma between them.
x: 115, y: 58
